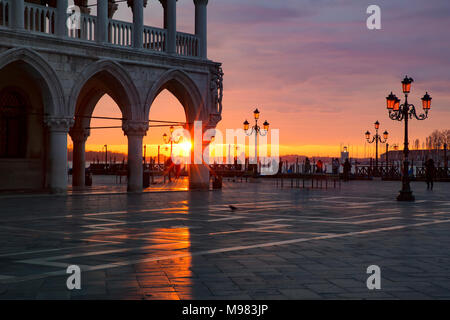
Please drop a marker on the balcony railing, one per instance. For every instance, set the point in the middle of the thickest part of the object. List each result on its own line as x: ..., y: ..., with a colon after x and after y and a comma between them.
x: 4, y: 13
x: 39, y: 18
x: 87, y: 28
x: 42, y: 19
x: 155, y: 39
x: 187, y: 44
x: 120, y: 33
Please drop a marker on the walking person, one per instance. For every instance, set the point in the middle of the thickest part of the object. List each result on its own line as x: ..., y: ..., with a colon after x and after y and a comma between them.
x: 169, y: 168
x: 319, y: 166
x: 307, y: 166
x: 347, y: 169
x: 429, y: 173
x: 335, y: 166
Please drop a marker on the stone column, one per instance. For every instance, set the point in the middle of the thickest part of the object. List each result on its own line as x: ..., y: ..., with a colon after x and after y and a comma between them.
x: 138, y: 23
x: 198, y: 177
x: 61, y: 18
x: 79, y: 137
x: 18, y: 14
x: 102, y: 21
x: 135, y: 131
x: 201, y: 25
x: 198, y: 169
x: 57, y: 153
x: 171, y: 12
x: 164, y: 4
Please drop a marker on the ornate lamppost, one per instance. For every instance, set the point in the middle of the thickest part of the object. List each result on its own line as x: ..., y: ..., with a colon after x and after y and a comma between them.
x: 106, y: 155
x: 256, y: 129
x: 404, y: 112
x: 171, y: 140
x: 377, y: 139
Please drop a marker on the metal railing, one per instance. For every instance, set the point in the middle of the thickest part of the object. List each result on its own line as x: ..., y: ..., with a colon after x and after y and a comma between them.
x: 394, y: 172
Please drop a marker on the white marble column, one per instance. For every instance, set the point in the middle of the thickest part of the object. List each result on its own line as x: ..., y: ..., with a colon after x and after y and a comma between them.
x: 135, y: 131
x: 57, y: 154
x: 171, y: 12
x: 138, y: 23
x: 61, y: 18
x: 101, y: 33
x: 201, y: 27
x: 79, y: 138
x: 18, y: 14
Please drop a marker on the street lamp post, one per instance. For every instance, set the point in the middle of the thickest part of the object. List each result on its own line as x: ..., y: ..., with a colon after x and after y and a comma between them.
x: 106, y: 155
x: 377, y: 139
x: 404, y: 112
x: 159, y: 147
x: 145, y: 155
x: 387, y: 158
x: 171, y: 140
x: 256, y: 129
x: 445, y: 161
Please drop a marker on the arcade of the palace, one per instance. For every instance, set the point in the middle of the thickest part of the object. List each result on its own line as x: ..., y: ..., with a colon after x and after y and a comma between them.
x: 52, y: 77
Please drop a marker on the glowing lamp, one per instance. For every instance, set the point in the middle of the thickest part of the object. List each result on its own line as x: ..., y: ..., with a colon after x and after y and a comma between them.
x: 396, y: 104
x: 172, y: 129
x: 246, y: 124
x: 390, y: 100
x: 256, y: 114
x: 367, y: 135
x: 266, y: 126
x: 385, y: 135
x: 377, y: 125
x: 426, y: 102
x: 406, y: 84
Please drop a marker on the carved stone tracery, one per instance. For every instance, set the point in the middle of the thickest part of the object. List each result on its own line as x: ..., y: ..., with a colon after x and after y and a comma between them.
x: 217, y: 88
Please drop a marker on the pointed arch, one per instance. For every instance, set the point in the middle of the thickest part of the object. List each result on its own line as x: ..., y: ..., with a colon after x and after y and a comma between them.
x: 114, y: 80
x: 181, y: 85
x: 39, y: 68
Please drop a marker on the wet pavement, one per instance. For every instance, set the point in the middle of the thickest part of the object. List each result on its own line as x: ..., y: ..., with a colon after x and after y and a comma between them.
x: 275, y: 244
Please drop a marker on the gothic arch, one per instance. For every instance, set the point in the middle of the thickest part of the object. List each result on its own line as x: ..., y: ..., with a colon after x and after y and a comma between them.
x: 105, y: 76
x: 184, y: 89
x: 39, y: 68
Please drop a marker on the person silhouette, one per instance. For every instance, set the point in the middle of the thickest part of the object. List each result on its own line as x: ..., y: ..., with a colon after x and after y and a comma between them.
x: 429, y: 173
x: 347, y: 168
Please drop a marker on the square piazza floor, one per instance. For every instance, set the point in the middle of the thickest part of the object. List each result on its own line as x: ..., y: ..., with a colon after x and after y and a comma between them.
x: 278, y: 244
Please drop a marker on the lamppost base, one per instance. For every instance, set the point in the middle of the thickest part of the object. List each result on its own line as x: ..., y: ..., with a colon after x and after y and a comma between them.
x: 406, y: 196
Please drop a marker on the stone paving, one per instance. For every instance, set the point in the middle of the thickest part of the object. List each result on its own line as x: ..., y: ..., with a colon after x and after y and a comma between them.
x: 278, y: 244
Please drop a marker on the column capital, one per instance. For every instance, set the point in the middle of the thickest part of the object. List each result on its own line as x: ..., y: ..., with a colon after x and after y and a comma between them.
x: 164, y: 2
x: 200, y: 2
x: 55, y: 124
x: 130, y: 3
x: 135, y: 128
x: 79, y: 134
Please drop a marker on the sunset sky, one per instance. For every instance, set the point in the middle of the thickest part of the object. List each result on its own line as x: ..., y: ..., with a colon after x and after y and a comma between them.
x: 312, y: 68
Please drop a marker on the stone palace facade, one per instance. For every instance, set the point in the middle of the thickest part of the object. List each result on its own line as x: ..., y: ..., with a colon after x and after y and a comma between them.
x: 52, y: 76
